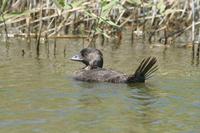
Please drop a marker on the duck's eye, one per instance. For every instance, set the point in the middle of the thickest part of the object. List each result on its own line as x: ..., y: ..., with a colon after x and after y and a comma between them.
x: 84, y: 54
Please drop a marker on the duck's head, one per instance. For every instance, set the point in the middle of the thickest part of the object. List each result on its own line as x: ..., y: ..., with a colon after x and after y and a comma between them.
x: 91, y: 57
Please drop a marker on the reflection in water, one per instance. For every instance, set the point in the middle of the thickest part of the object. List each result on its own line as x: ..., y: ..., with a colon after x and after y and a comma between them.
x: 89, y: 100
x: 7, y: 49
x: 87, y: 96
x: 145, y: 98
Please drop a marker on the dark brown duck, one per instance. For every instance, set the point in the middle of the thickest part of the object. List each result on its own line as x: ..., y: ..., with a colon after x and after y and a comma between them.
x: 94, y: 71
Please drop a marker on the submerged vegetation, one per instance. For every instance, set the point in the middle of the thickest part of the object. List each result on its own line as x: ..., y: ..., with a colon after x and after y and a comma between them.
x: 163, y: 21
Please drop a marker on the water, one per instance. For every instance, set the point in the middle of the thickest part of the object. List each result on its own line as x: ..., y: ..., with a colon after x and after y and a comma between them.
x: 38, y: 95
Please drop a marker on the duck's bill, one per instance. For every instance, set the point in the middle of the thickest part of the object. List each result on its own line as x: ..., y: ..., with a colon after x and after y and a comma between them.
x: 77, y: 58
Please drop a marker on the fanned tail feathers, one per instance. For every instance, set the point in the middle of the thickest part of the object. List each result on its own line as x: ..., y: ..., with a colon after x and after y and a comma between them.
x: 145, y: 70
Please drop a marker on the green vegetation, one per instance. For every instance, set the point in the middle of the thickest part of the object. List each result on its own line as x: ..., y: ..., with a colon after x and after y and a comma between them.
x: 165, y: 20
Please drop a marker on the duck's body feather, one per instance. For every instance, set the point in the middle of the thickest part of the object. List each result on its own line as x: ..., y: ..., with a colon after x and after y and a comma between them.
x: 100, y: 75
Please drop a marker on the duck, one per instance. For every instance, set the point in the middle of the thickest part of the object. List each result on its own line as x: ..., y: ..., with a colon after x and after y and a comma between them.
x: 94, y: 71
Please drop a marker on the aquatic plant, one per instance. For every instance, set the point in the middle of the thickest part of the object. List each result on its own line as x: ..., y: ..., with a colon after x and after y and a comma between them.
x: 163, y: 20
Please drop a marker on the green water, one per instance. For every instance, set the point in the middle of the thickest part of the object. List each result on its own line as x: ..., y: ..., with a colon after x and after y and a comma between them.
x: 38, y: 95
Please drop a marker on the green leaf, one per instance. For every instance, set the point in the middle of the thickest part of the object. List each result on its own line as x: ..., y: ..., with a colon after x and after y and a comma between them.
x: 108, y: 7
x: 161, y: 6
x: 4, y: 4
x: 137, y: 2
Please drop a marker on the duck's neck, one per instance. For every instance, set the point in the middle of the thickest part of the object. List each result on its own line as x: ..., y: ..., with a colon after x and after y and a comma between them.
x: 91, y: 67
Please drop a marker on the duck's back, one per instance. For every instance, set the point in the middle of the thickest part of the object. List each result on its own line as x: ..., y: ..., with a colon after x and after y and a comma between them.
x: 100, y: 75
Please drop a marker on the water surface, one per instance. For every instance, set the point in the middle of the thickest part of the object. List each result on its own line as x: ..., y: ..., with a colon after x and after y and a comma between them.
x: 39, y: 95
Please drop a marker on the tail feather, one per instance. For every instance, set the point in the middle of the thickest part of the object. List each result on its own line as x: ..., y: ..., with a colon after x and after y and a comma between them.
x: 149, y: 74
x: 145, y: 70
x: 149, y: 64
x: 151, y: 71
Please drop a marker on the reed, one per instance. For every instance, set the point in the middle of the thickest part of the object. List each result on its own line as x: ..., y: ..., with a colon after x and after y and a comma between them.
x: 5, y: 26
x: 164, y: 20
